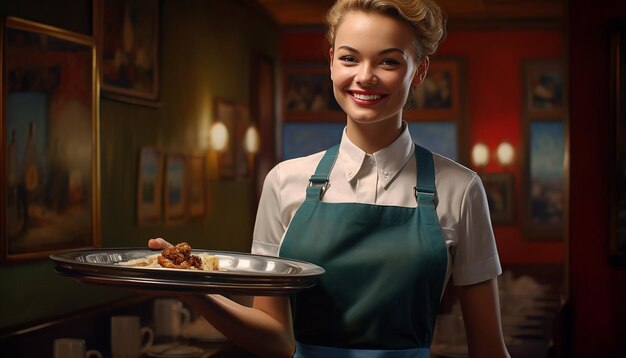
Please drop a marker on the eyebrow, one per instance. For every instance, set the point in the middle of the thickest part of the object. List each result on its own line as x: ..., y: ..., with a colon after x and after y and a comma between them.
x: 383, y: 52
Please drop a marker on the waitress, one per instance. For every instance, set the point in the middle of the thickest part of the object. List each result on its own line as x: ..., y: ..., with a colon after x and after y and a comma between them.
x: 389, y: 221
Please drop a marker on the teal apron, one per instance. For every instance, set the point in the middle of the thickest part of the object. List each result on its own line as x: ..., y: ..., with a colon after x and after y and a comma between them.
x: 385, y: 270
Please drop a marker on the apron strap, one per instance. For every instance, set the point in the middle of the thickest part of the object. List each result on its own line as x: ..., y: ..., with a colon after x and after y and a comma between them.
x: 424, y: 190
x: 318, y: 183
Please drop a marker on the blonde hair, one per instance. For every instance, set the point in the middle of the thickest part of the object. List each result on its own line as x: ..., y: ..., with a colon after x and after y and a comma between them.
x: 425, y: 17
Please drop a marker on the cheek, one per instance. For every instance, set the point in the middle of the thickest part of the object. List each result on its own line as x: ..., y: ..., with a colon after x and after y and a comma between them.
x: 341, y: 76
x: 401, y: 84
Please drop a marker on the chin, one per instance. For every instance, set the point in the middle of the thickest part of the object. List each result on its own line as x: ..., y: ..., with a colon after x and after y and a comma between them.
x: 361, y: 119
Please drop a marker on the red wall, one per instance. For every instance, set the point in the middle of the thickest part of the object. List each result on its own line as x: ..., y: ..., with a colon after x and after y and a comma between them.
x: 494, y: 95
x: 494, y: 90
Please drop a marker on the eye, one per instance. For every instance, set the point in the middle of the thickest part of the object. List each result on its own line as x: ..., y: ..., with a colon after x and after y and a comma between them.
x: 390, y: 62
x: 348, y: 58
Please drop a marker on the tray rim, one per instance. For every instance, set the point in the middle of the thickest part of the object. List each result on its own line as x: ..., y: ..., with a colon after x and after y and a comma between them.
x: 177, y: 280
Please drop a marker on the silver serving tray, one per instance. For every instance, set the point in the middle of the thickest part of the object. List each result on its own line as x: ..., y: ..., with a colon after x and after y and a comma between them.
x: 240, y: 273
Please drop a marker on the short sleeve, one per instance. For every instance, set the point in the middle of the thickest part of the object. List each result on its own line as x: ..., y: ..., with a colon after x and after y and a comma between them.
x: 268, y: 227
x: 475, y: 255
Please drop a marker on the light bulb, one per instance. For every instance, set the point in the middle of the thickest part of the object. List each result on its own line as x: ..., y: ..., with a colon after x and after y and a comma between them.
x: 251, y: 140
x: 219, y: 136
x: 480, y: 154
x: 505, y: 153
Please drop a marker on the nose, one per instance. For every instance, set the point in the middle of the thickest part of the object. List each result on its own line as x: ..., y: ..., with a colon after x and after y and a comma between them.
x: 366, y: 75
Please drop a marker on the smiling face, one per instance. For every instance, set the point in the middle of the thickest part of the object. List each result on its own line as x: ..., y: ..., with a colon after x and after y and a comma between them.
x: 373, y: 66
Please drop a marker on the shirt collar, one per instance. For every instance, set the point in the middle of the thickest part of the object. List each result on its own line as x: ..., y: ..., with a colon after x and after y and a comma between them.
x: 389, y: 160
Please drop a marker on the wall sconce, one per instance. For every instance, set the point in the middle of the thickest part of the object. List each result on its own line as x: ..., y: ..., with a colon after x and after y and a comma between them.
x: 480, y: 155
x: 218, y: 135
x: 251, y: 142
x: 505, y: 153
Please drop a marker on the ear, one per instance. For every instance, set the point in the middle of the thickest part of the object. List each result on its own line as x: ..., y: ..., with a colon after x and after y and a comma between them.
x: 422, y: 70
x: 330, y: 61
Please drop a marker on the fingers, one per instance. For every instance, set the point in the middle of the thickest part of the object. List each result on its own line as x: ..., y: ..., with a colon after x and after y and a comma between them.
x: 158, y: 243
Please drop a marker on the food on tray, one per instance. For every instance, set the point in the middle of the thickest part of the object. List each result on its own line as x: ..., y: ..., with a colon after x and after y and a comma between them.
x: 178, y: 257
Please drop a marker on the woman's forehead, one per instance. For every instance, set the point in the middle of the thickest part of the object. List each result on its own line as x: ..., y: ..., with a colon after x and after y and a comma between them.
x: 359, y: 28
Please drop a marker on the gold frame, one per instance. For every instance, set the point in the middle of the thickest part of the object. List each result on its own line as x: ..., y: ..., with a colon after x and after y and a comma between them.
x: 144, y: 87
x: 53, y: 220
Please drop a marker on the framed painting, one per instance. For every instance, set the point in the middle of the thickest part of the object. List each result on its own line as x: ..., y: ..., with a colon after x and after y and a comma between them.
x: 129, y: 50
x: 545, y: 180
x: 49, y: 141
x: 544, y: 94
x: 440, y: 137
x: 499, y: 190
x: 308, y: 94
x: 301, y: 139
x: 150, y: 187
x: 440, y: 96
x: 175, y: 188
x: 617, y: 240
x: 197, y: 186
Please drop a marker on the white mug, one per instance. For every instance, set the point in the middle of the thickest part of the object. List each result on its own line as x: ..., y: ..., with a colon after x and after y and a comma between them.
x: 128, y: 338
x: 169, y: 317
x: 73, y: 348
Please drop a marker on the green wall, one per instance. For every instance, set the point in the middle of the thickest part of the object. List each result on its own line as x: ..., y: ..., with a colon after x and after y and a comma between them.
x: 206, y: 50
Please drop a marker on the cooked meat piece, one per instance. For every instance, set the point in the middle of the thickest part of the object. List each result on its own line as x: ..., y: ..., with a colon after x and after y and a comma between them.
x: 179, y: 256
x: 183, y: 248
x: 195, y: 261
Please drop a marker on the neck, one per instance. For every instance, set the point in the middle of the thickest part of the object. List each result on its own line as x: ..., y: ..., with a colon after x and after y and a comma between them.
x: 372, y: 137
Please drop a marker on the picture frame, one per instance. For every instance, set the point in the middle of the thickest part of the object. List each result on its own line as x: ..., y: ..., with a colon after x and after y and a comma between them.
x: 150, y: 187
x: 242, y: 124
x: 263, y: 110
x: 129, y: 50
x: 49, y: 137
x: 197, y: 186
x: 441, y: 95
x: 500, y: 196
x: 544, y: 88
x: 176, y: 195
x: 617, y: 238
x: 308, y: 94
x: 544, y: 113
x: 544, y: 172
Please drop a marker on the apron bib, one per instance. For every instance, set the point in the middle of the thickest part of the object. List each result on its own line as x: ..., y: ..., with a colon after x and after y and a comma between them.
x: 385, y: 270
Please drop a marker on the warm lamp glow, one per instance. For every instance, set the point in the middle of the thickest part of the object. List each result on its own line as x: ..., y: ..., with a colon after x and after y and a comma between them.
x: 219, y: 136
x: 505, y: 153
x: 251, y: 140
x: 480, y: 154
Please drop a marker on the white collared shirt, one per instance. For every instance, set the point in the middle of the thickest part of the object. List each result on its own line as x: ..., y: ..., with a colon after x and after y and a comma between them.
x: 387, y: 177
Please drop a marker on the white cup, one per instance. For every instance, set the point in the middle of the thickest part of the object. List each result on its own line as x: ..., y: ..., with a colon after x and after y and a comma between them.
x: 169, y: 317
x: 128, y: 338
x: 73, y: 348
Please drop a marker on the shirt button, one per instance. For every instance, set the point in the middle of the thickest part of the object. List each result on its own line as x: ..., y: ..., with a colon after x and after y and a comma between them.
x: 386, y: 173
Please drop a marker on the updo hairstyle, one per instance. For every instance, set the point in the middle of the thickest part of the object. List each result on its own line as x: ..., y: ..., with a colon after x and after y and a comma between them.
x: 425, y: 17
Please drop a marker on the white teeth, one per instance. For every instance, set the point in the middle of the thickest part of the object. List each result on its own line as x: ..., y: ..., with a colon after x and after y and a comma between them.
x: 366, y: 97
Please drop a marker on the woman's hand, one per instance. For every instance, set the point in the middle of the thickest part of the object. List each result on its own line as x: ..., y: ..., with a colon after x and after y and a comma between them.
x: 158, y: 244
